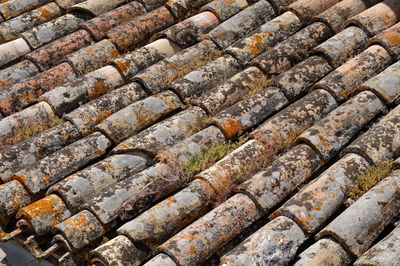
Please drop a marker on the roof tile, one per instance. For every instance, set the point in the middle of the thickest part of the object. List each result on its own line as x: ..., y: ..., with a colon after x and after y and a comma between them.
x: 66, y: 98
x: 27, y: 92
x: 96, y: 7
x: 12, y: 50
x: 152, y: 4
x: 157, y: 224
x: 225, y: 9
x: 64, y: 4
x: 331, y: 133
x: 324, y: 250
x: 230, y: 91
x: 12, y: 29
x: 368, y: 215
x: 274, y: 242
x: 79, y: 188
x: 183, y: 8
x: 390, y: 39
x: 377, y: 18
x: 265, y: 37
x: 197, y: 241
x: 16, y: 73
x: 90, y: 58
x: 242, y: 23
x: 342, y: 81
x: 161, y: 259
x: 53, y: 53
x: 165, y: 133
x: 250, y: 112
x: 51, y: 30
x: 343, y: 46
x: 386, y: 84
x: 98, y: 26
x: 13, y: 197
x: 204, y: 78
x: 189, y: 31
x: 136, y: 31
x: 289, y: 171
x: 320, y: 199
x: 308, y: 9
x: 10, y: 9
x: 87, y: 116
x: 139, y: 115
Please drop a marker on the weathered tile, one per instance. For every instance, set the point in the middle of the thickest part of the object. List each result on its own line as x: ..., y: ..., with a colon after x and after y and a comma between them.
x: 12, y: 50
x: 384, y: 253
x: 62, y: 163
x: 231, y: 91
x: 157, y: 224
x: 202, y: 238
x: 66, y: 98
x: 80, y: 230
x: 357, y: 227
x: 390, y: 39
x: 307, y: 10
x: 225, y: 9
x: 13, y: 197
x: 377, y: 18
x: 156, y: 77
x: 137, y: 31
x: 79, y: 188
x: 139, y: 115
x: 165, y: 133
x: 175, y: 157
x: 98, y: 26
x: 295, y: 48
x: 189, y: 31
x: 13, y: 127
x: 44, y: 214
x: 204, y: 78
x: 249, y: 112
x: 338, y: 14
x: 12, y: 9
x: 96, y: 7
x: 299, y: 78
x: 152, y: 4
x: 133, y: 62
x: 343, y: 81
x: 29, y: 151
x: 53, y: 53
x: 331, y: 133
x: 324, y: 252
x: 379, y: 144
x: 343, y: 46
x: 51, y: 30
x: 242, y: 23
x: 281, y: 4
x: 264, y: 37
x: 17, y: 73
x: 64, y: 4
x: 183, y: 8
x: 319, y: 200
x: 86, y: 117
x: 274, y: 244
x: 27, y: 92
x: 92, y: 57
x: 270, y: 186
x: 107, y: 205
x: 281, y: 130
x: 160, y: 259
x: 119, y: 251
x: 12, y: 29
x: 235, y: 167
x: 386, y: 84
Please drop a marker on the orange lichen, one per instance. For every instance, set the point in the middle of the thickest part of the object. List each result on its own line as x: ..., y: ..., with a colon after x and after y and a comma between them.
x: 98, y: 89
x: 123, y: 65
x: 231, y: 127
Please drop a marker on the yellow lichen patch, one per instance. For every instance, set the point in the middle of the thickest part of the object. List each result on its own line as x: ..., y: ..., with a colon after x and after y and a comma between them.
x: 257, y: 85
x: 365, y: 182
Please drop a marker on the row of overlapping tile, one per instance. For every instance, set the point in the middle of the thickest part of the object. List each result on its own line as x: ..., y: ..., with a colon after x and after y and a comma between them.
x: 242, y: 100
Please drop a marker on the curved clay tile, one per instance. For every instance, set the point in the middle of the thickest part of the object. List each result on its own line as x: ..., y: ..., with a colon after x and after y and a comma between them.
x: 12, y: 50
x: 152, y: 4
x: 182, y: 9
x: 189, y: 31
x: 96, y: 7
x: 17, y: 73
x: 225, y: 9
x: 10, y: 191
x: 377, y: 18
x: 306, y: 10
x: 53, y: 53
x: 51, y: 30
x: 242, y: 23
x: 12, y: 29
x: 14, y: 8
x: 98, y: 26
x: 390, y: 39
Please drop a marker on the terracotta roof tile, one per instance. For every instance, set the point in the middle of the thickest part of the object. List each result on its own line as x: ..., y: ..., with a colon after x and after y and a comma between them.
x: 12, y: 50
x: 183, y: 8
x: 307, y: 10
x: 390, y: 39
x: 64, y: 4
x: 96, y: 7
x: 16, y: 73
x: 225, y: 9
x: 10, y: 9
x: 53, y: 53
x: 152, y: 4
